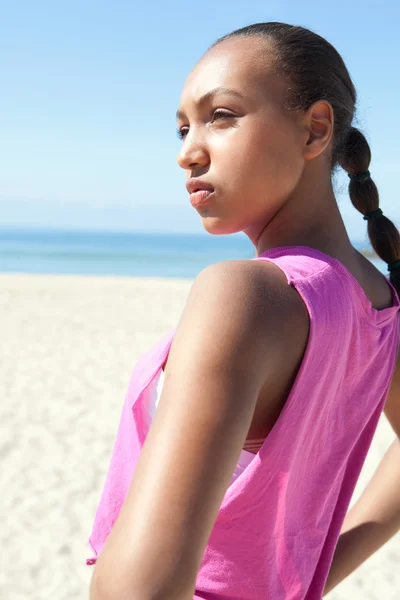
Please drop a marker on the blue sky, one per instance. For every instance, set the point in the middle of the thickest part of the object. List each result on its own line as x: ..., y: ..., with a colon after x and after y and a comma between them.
x: 90, y: 90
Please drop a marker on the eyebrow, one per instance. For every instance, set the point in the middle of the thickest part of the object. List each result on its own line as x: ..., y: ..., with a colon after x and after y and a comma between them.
x: 209, y: 95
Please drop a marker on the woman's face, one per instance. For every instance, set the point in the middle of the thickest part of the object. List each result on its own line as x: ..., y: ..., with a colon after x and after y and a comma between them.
x: 242, y: 142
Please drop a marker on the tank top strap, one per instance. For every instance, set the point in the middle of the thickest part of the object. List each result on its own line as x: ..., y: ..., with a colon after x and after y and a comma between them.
x: 320, y: 279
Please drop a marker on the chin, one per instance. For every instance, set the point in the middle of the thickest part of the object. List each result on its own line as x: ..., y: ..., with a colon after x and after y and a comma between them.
x: 216, y: 226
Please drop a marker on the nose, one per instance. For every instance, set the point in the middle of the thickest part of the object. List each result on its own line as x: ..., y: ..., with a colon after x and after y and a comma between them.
x: 193, y: 153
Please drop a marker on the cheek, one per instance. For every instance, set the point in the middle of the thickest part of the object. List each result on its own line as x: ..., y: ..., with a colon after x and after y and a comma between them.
x: 258, y: 167
x: 278, y: 150
x: 268, y: 159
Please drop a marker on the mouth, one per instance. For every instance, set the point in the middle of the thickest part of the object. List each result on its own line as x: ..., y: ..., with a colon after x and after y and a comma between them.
x: 201, y: 197
x: 194, y: 184
x: 200, y: 191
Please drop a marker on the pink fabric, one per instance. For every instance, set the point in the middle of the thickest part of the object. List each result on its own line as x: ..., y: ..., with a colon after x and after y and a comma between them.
x: 279, y: 521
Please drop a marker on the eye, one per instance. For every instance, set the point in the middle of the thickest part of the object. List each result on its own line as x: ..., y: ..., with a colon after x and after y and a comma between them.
x: 182, y: 132
x: 217, y: 116
x: 221, y: 115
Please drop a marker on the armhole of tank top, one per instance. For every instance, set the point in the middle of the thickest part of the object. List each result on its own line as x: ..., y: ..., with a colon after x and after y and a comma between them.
x: 298, y: 283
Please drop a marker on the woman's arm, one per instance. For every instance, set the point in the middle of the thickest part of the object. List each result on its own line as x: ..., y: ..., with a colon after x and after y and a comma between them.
x: 240, y: 324
x: 371, y: 522
x: 375, y: 518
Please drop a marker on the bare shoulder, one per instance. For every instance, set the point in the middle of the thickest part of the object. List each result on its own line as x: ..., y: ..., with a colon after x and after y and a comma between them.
x: 247, y: 302
x: 374, y: 285
x: 251, y: 287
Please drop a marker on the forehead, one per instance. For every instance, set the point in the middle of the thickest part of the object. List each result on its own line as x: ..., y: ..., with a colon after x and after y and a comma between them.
x: 244, y: 64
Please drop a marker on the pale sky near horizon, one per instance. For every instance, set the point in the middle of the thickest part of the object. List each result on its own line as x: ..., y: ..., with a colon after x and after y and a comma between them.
x: 90, y: 90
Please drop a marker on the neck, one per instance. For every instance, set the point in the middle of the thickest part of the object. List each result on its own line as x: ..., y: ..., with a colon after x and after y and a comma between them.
x: 307, y: 218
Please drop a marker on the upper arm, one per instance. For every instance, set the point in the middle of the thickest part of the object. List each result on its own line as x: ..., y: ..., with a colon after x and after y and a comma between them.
x: 231, y: 337
x: 392, y: 405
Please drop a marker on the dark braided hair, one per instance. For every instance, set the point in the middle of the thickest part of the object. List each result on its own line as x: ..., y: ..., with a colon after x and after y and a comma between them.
x: 316, y: 71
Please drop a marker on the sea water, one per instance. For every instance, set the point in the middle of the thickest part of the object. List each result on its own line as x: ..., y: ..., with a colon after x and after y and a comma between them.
x: 126, y: 254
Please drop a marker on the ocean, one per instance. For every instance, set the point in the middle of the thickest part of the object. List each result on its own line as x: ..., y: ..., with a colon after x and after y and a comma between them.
x: 126, y: 254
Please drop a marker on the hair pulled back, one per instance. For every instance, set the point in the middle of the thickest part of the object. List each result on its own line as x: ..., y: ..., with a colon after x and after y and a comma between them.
x: 316, y: 71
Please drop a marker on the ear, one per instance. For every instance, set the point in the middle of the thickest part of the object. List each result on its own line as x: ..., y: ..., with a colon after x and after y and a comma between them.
x: 320, y: 121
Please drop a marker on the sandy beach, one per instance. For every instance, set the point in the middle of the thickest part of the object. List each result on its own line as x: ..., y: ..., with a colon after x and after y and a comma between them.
x: 68, y: 346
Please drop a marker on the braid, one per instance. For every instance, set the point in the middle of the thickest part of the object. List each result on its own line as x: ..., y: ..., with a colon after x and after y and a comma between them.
x: 384, y: 236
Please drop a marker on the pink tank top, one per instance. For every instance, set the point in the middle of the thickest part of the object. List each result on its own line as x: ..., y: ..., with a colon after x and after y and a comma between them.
x: 280, y: 519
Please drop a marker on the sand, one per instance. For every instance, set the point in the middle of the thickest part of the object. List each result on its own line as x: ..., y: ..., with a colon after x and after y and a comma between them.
x: 68, y: 346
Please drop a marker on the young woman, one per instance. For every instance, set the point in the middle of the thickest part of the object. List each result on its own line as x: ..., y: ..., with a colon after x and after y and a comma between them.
x: 280, y: 366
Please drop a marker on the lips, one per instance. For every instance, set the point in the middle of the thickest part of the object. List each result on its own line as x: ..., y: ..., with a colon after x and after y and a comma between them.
x: 200, y: 198
x: 195, y: 185
x: 200, y: 191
